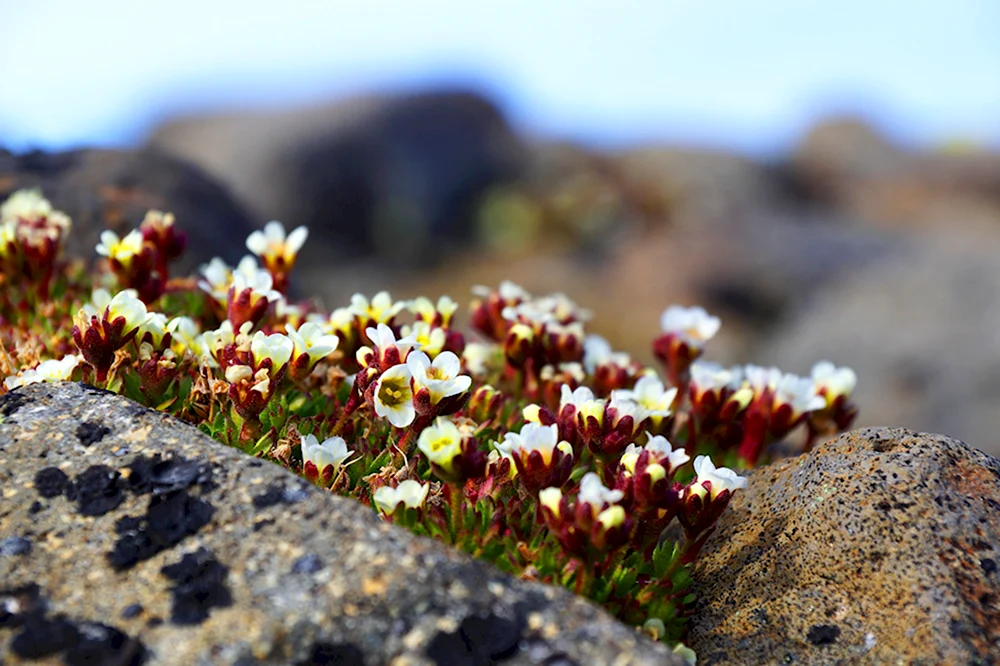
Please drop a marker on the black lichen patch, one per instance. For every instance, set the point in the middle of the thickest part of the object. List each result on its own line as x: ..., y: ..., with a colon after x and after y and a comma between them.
x: 15, y: 545
x: 89, y: 433
x: 132, y: 610
x: 97, y: 490
x: 479, y: 640
x: 78, y: 643
x: 12, y: 401
x: 278, y: 494
x: 335, y: 654
x: 35, y: 507
x: 823, y: 634
x: 199, y: 585
x: 51, y: 482
x: 988, y: 566
x: 96, y: 390
x: 307, y: 564
x: 159, y: 475
x: 169, y: 519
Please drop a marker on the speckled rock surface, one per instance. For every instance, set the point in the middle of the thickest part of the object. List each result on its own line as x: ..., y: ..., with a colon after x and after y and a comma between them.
x: 127, y: 537
x: 880, y: 547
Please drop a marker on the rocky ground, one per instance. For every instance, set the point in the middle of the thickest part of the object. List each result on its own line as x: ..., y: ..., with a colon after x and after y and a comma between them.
x: 131, y: 538
x: 849, y: 248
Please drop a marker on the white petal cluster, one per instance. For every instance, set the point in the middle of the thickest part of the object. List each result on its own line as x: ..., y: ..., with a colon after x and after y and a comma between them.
x: 410, y: 493
x: 650, y: 395
x: 155, y: 325
x: 692, y: 325
x: 394, y: 396
x: 126, y: 304
x: 271, y: 243
x: 659, y: 445
x: 709, y: 377
x: 46, y: 371
x: 217, y: 277
x: 430, y: 339
x: 832, y: 381
x: 381, y: 309
x: 310, y: 339
x: 597, y: 352
x: 594, y: 493
x: 258, y: 281
x: 480, y: 357
x: 120, y: 249
x: 799, y: 393
x: 332, y: 451
x: 508, y: 292
x: 534, y: 437
x: 440, y: 377
x: 276, y: 347
x: 576, y: 397
x: 721, y: 478
x: 384, y: 339
x: 441, y: 442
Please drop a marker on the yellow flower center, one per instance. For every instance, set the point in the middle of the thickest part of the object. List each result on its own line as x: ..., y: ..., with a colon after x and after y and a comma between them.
x: 393, y: 393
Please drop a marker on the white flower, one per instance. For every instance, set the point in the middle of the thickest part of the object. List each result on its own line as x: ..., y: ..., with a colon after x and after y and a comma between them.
x: 156, y: 326
x: 332, y: 451
x: 508, y: 291
x: 441, y: 377
x: 593, y: 492
x: 218, y: 275
x: 721, y: 478
x: 551, y: 498
x: 125, y: 304
x: 411, y: 493
x: 380, y: 309
x: 709, y: 377
x: 534, y: 437
x: 28, y: 205
x: 799, y: 393
x: 650, y: 395
x: 832, y: 381
x: 575, y: 397
x: 597, y: 352
x: 481, y: 357
x: 276, y: 347
x: 120, y: 249
x: 692, y: 325
x: 394, y: 396
x: 272, y: 244
x: 430, y: 339
x: 258, y: 281
x: 46, y: 371
x: 384, y: 339
x: 662, y: 448
x: 441, y: 442
x: 762, y: 379
x: 100, y: 299
x: 310, y: 339
x: 8, y: 236
x: 424, y: 308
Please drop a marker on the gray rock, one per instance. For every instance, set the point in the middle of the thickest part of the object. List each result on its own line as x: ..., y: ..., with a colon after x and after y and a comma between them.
x: 880, y: 547
x: 158, y: 545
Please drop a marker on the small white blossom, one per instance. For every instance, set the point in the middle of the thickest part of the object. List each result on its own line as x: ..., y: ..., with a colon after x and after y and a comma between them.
x: 258, y: 281
x: 271, y: 244
x: 332, y: 451
x: 832, y: 381
x: 100, y: 299
x: 575, y: 397
x: 721, y: 478
x: 218, y: 276
x: 692, y: 325
x: 411, y: 493
x: 310, y: 339
x: 593, y: 492
x: 126, y: 304
x: 534, y: 437
x: 155, y: 326
x: 441, y: 377
x: 799, y: 393
x: 380, y: 309
x: 120, y: 249
x: 46, y: 371
x: 276, y: 347
x: 650, y: 395
x: 597, y: 352
x: 394, y: 396
x: 508, y: 291
x: 430, y: 339
x: 383, y: 338
x: 480, y: 357
x: 709, y: 377
x: 441, y: 442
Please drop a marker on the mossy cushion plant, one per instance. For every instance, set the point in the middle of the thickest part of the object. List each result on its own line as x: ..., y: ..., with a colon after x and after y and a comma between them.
x: 523, y: 440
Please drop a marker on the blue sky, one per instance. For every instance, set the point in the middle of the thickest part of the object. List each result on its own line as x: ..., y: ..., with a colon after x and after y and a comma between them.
x: 744, y: 74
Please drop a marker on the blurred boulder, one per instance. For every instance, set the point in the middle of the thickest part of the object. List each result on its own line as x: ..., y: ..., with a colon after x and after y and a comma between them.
x: 397, y: 176
x: 111, y: 189
x: 920, y: 327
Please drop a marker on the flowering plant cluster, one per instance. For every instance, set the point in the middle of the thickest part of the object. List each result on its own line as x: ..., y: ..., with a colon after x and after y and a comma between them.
x: 522, y: 439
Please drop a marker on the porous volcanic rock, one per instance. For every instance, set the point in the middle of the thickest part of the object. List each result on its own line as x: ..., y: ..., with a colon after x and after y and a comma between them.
x: 113, y: 189
x: 153, y: 544
x: 880, y: 547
